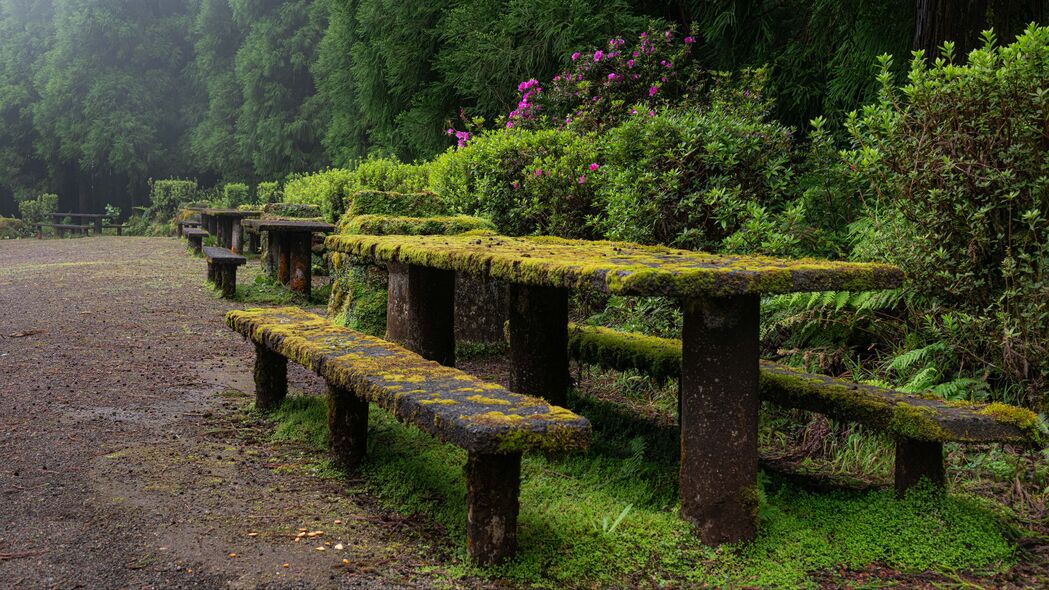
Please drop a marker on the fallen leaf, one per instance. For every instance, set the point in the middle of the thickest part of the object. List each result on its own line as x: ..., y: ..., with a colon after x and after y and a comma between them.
x: 338, y: 547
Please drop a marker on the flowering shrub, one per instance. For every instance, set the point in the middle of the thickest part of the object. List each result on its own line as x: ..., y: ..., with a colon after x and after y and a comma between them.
x: 612, y: 84
x: 691, y: 177
x: 525, y: 181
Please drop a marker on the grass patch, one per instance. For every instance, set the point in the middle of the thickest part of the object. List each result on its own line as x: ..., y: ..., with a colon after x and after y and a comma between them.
x: 609, y: 518
x: 267, y: 291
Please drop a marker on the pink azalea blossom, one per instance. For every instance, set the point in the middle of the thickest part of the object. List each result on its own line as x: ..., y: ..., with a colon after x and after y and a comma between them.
x: 582, y: 179
x: 690, y: 40
x: 630, y: 63
x: 598, y: 55
x: 652, y: 90
x: 575, y: 56
x: 612, y: 76
x: 594, y: 167
x: 538, y: 172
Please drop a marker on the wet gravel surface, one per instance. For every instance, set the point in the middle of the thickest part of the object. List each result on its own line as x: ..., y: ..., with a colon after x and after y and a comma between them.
x: 128, y: 458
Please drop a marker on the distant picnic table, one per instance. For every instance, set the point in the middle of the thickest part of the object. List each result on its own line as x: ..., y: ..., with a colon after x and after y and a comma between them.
x: 95, y: 219
x: 290, y: 248
x: 720, y: 300
x: 225, y: 225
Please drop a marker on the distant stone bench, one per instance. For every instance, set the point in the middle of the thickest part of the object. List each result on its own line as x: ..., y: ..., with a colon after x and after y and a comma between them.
x: 195, y: 237
x: 182, y: 226
x: 919, y: 424
x: 494, y: 425
x: 119, y: 227
x: 61, y: 229
x: 222, y: 269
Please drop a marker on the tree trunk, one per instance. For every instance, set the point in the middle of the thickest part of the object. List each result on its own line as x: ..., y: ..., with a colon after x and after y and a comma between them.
x: 937, y: 21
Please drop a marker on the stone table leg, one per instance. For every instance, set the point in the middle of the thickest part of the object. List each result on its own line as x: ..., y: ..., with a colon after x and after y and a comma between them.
x: 271, y: 379
x: 269, y: 263
x: 493, y: 483
x: 420, y: 311
x: 98, y: 226
x: 213, y: 276
x: 348, y: 424
x: 283, y: 257
x: 539, y: 342
x: 917, y: 460
x: 719, y: 417
x: 237, y: 237
x: 228, y: 277
x: 300, y: 279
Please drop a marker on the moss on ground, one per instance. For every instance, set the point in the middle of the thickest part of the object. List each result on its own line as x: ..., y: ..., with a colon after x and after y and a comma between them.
x: 567, y: 506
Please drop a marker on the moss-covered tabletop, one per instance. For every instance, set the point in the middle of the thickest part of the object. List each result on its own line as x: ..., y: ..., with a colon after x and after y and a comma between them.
x: 616, y: 267
x: 289, y: 225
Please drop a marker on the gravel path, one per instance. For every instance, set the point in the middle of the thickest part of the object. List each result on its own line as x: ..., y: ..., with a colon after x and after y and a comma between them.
x: 128, y: 459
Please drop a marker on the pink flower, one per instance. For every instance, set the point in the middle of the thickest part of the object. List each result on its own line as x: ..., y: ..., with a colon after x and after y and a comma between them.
x: 612, y: 76
x: 651, y: 113
x: 667, y: 35
x: 582, y: 179
x: 594, y: 167
x: 557, y: 78
x: 450, y: 131
x: 690, y: 40
x: 644, y: 35
x: 538, y: 172
x: 598, y: 55
x: 630, y: 63
x: 515, y: 184
x: 509, y: 124
x: 575, y: 56
x: 652, y: 90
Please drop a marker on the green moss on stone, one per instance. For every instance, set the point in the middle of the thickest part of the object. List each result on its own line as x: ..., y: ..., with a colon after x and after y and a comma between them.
x: 617, y: 267
x: 381, y: 225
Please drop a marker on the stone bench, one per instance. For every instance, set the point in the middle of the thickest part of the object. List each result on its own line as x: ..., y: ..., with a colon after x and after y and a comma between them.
x: 195, y: 237
x: 117, y: 226
x: 182, y: 226
x: 222, y: 269
x: 60, y: 229
x: 492, y: 424
x: 919, y: 424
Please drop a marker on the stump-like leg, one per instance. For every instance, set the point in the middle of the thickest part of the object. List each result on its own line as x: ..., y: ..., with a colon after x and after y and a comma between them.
x: 539, y: 342
x: 493, y: 483
x: 301, y: 259
x: 719, y: 417
x: 213, y: 274
x: 195, y: 243
x: 420, y: 311
x: 178, y: 230
x: 229, y: 280
x: 917, y: 460
x: 226, y: 233
x: 283, y: 257
x: 237, y: 238
x: 269, y: 262
x: 271, y: 379
x: 252, y: 240
x: 98, y: 226
x: 348, y: 424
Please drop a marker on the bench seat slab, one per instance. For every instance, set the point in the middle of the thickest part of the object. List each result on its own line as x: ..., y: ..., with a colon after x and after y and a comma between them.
x: 451, y: 405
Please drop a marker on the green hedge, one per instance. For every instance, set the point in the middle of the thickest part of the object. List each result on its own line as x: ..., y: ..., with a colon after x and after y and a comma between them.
x: 332, y: 190
x: 169, y: 195
x: 382, y: 225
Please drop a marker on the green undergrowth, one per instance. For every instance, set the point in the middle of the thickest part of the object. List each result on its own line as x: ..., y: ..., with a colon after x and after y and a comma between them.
x: 608, y: 518
x: 266, y: 291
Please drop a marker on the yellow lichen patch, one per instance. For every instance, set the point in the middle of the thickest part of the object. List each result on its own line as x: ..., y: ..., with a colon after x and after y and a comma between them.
x: 617, y: 267
x: 490, y: 401
x: 455, y: 406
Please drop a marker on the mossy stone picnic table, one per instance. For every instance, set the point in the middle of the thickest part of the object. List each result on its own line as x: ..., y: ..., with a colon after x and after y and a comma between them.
x: 289, y: 248
x: 720, y: 298
x: 94, y: 218
x: 225, y: 225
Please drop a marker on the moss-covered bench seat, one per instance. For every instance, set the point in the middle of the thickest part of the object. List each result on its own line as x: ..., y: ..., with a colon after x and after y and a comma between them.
x: 222, y: 269
x: 920, y: 424
x: 195, y: 236
x: 492, y: 424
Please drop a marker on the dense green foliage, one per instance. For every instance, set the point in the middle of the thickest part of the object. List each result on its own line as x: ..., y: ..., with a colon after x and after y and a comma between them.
x: 101, y: 95
x: 332, y: 190
x: 168, y: 196
x: 38, y: 210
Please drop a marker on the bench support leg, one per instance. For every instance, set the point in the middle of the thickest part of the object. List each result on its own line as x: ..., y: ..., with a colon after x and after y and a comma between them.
x: 917, y: 460
x: 271, y: 379
x: 237, y: 238
x: 420, y: 311
x: 213, y: 274
x: 283, y: 258
x: 228, y: 274
x: 719, y: 417
x: 539, y: 342
x: 269, y: 263
x: 348, y: 424
x: 493, y: 483
x: 300, y: 279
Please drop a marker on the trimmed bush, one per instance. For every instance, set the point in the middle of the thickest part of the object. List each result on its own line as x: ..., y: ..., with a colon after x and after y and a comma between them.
x: 298, y: 210
x: 38, y: 210
x: 11, y: 228
x: 332, y: 190
x: 269, y: 192
x: 168, y: 196
x: 236, y: 194
x: 385, y: 225
x: 526, y: 182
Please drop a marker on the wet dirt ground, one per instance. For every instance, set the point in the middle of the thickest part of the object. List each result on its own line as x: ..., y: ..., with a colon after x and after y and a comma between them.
x: 126, y: 460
